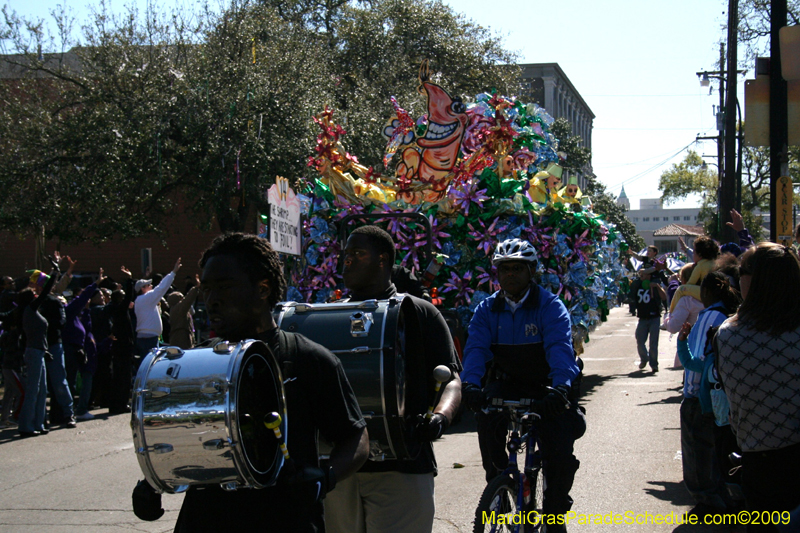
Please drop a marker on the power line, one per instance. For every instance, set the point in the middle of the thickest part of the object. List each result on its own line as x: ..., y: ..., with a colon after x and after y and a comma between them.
x: 654, y: 167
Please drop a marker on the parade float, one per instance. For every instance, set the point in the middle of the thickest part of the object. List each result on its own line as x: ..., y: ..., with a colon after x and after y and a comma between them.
x: 457, y: 180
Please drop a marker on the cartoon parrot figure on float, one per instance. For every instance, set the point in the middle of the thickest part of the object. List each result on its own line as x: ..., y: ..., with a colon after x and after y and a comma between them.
x: 426, y: 162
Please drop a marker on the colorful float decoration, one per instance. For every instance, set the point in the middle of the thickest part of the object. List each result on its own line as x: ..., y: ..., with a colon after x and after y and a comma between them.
x: 481, y: 172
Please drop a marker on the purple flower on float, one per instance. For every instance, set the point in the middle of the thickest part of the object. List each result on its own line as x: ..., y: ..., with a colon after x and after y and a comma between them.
x: 460, y: 284
x: 347, y: 208
x: 486, y: 237
x: 513, y: 231
x: 411, y: 244
x: 437, y: 230
x: 465, y: 195
x: 486, y: 276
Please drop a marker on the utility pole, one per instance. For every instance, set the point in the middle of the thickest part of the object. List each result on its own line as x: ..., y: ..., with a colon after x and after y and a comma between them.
x: 705, y: 81
x: 721, y: 139
x: 728, y: 179
x: 778, y: 115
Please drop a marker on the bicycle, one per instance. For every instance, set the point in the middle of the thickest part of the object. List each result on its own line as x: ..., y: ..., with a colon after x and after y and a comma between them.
x: 512, y: 501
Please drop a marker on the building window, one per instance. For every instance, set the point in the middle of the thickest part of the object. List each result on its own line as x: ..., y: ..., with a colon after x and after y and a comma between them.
x: 646, y: 219
x: 676, y: 219
x: 636, y: 219
x: 655, y: 219
x: 687, y: 218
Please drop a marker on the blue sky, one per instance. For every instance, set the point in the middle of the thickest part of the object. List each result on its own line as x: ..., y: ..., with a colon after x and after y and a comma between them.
x: 633, y: 62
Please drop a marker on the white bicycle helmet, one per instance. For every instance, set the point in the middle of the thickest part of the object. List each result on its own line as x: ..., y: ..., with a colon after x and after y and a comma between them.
x: 514, y: 250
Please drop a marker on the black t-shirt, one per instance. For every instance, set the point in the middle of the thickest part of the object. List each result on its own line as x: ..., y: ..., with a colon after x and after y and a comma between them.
x: 54, y: 312
x: 438, y: 350
x: 647, y: 299
x: 318, y: 398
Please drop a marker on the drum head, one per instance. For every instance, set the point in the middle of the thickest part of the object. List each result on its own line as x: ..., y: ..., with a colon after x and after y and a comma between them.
x: 259, y: 392
x: 410, y: 385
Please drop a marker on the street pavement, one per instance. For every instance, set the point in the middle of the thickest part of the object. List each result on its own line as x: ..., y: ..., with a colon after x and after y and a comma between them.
x: 78, y: 480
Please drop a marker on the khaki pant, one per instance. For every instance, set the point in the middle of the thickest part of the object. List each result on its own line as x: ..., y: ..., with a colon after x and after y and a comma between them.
x: 381, y: 502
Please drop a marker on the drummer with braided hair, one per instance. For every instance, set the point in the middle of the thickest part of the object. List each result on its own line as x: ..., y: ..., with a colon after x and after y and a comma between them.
x: 242, y: 280
x: 520, y: 346
x: 395, y: 495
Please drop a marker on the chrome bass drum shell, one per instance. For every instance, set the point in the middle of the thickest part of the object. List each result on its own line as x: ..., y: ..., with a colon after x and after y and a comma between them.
x: 378, y: 342
x: 198, y: 416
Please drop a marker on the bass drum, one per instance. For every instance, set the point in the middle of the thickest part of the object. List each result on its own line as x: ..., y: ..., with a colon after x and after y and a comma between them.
x: 198, y: 416
x: 378, y: 342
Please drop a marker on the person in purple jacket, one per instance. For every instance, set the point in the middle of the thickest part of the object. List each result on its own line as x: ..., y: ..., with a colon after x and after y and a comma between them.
x: 73, y: 334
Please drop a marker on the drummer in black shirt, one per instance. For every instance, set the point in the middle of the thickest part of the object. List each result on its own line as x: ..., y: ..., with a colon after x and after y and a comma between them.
x: 242, y: 281
x: 395, y: 495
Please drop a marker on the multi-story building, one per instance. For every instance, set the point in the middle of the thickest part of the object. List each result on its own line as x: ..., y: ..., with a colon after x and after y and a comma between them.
x: 548, y: 86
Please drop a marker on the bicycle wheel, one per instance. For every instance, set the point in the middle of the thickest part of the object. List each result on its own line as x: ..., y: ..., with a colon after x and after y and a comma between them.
x: 497, y: 509
x: 537, y: 483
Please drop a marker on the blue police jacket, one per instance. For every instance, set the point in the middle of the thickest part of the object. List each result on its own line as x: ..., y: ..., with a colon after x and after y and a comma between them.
x: 535, y: 340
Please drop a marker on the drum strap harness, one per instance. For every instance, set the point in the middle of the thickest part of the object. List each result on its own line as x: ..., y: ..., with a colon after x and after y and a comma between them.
x: 287, y: 343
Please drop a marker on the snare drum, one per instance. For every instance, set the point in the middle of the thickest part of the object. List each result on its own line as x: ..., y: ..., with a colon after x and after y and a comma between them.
x: 198, y: 416
x: 378, y: 342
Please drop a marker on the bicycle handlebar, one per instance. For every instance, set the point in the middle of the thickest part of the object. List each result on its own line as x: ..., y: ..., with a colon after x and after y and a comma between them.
x: 523, y: 406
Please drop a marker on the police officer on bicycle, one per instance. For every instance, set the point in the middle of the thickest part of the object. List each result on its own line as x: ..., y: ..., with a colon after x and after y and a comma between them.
x: 520, y: 346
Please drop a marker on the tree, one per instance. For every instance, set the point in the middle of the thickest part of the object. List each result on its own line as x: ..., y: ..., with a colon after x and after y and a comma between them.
x: 148, y: 112
x: 578, y: 156
x: 101, y: 142
x: 606, y: 205
x: 754, y: 26
x: 689, y: 177
x: 603, y: 203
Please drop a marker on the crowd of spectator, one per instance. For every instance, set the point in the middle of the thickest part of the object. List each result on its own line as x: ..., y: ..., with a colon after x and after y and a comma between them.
x: 736, y: 310
x: 80, y: 344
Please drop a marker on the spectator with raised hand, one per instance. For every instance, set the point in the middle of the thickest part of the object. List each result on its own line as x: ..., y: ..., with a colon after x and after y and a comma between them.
x: 180, y: 316
x: 74, y: 333
x: 737, y: 223
x: 34, y: 328
x: 53, y: 309
x: 88, y: 365
x: 148, y: 315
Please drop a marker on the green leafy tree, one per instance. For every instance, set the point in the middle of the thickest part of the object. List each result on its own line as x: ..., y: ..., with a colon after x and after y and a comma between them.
x: 104, y: 140
x: 605, y: 204
x: 153, y: 109
x: 578, y: 156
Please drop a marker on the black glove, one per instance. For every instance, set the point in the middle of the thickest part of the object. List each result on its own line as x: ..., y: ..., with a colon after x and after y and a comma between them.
x: 312, y: 482
x: 147, y: 502
x: 427, y: 430
x: 556, y: 402
x: 472, y: 396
